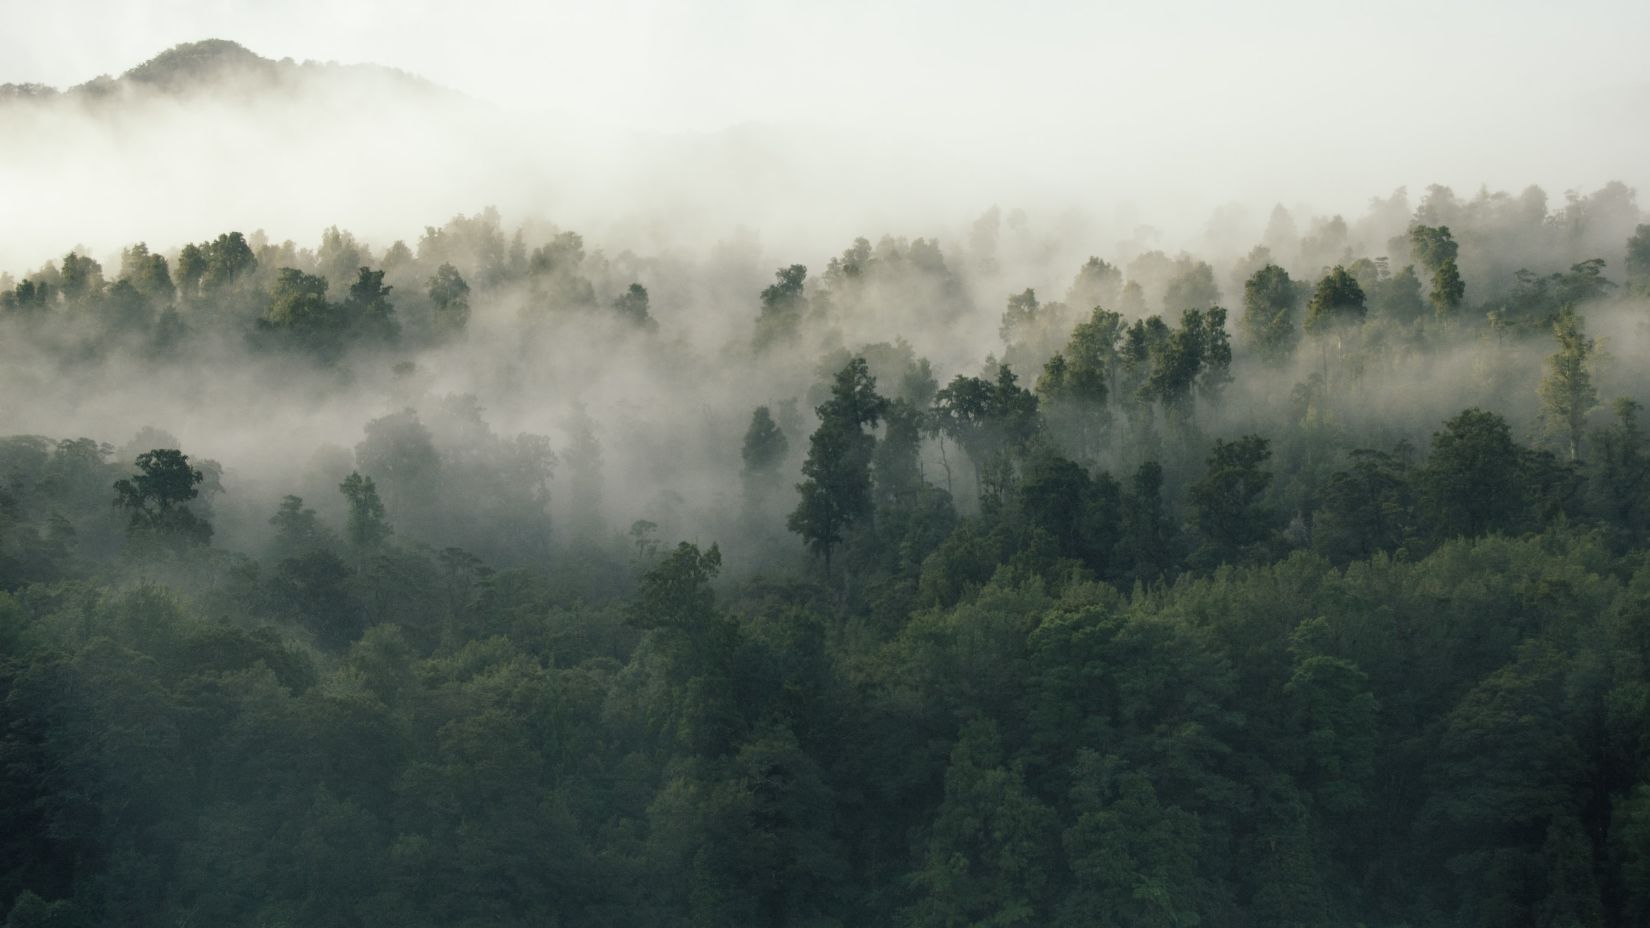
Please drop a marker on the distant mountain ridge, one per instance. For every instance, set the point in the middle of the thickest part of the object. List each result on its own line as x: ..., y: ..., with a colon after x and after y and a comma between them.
x: 209, y: 66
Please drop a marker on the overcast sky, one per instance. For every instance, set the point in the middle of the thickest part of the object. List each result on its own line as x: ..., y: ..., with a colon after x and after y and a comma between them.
x: 710, y: 63
x: 1187, y: 104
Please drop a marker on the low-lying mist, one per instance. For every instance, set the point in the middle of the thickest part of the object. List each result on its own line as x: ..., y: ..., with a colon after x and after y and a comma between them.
x: 640, y: 407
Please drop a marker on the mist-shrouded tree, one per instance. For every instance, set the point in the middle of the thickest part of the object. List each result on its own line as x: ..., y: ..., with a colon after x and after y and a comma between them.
x: 29, y: 298
x: 1097, y: 284
x: 1193, y: 359
x: 1473, y: 480
x: 1146, y: 543
x: 298, y: 529
x: 1567, y: 392
x: 368, y: 311
x: 1620, y: 486
x: 837, y: 490
x: 1437, y: 249
x: 1336, y: 308
x: 1638, y: 260
x: 339, y: 255
x: 1193, y: 288
x: 993, y: 420
x: 148, y: 274
x: 784, y: 304
x: 1367, y: 508
x: 451, y: 296
x: 191, y: 268
x: 226, y: 261
x: 366, y: 529
x: 765, y: 445
x: 632, y: 307
x: 1271, y: 313
x: 763, y: 453
x: 299, y: 311
x: 675, y: 593
x: 896, y: 465
x: 1337, y: 301
x: 1078, y: 383
x: 156, y: 500
x: 81, y: 278
x: 1228, y: 501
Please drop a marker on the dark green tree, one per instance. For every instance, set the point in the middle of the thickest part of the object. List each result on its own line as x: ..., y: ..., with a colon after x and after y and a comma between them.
x: 367, y: 530
x: 784, y: 305
x: 451, y: 296
x: 1638, y: 260
x: 1567, y: 392
x: 1473, y: 480
x: 156, y: 500
x: 1620, y: 486
x: 1436, y: 249
x: 367, y: 310
x: 148, y: 274
x: 1227, y: 503
x: 1271, y: 313
x: 837, y: 490
x: 1368, y: 507
x: 765, y: 446
x: 1336, y: 301
x: 632, y: 307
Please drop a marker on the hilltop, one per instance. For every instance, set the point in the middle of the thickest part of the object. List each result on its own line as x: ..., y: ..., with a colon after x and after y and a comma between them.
x: 215, y: 66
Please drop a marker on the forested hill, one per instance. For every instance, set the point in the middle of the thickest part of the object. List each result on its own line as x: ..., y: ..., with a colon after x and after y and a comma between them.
x: 498, y: 579
x: 214, y: 67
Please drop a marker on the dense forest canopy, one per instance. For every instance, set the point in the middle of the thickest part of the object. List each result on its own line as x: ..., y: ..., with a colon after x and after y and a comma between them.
x: 494, y: 579
x: 994, y: 573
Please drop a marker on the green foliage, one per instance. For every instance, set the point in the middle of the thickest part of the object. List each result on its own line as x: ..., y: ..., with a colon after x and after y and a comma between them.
x: 1436, y: 249
x: 368, y: 309
x: 367, y: 528
x: 451, y: 296
x: 1367, y: 508
x: 836, y: 491
x: 1193, y: 288
x: 1567, y: 392
x: 1146, y: 700
x: 783, y: 307
x: 989, y: 853
x: 764, y: 447
x: 632, y: 307
x: 1474, y: 481
x: 1228, y: 502
x: 1638, y: 259
x: 1271, y: 304
x: 1337, y: 301
x: 156, y: 498
x: 994, y: 422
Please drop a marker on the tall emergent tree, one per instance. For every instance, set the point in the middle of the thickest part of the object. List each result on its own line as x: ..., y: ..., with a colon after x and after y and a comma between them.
x: 451, y: 296
x: 1271, y: 308
x: 1567, y: 392
x: 367, y: 528
x: 837, y: 491
x: 1337, y: 304
x: 1227, y: 503
x: 763, y: 454
x: 157, y: 498
x: 783, y: 306
x: 1436, y: 249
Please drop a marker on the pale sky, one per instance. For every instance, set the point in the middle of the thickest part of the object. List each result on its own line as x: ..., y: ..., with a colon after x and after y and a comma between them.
x: 706, y: 64
x: 897, y: 114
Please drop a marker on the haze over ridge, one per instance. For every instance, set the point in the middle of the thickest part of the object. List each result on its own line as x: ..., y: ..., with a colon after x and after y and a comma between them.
x: 914, y: 144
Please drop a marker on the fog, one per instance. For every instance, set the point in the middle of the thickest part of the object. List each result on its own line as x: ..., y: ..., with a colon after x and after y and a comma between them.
x: 775, y: 464
x: 643, y: 123
x: 976, y: 157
